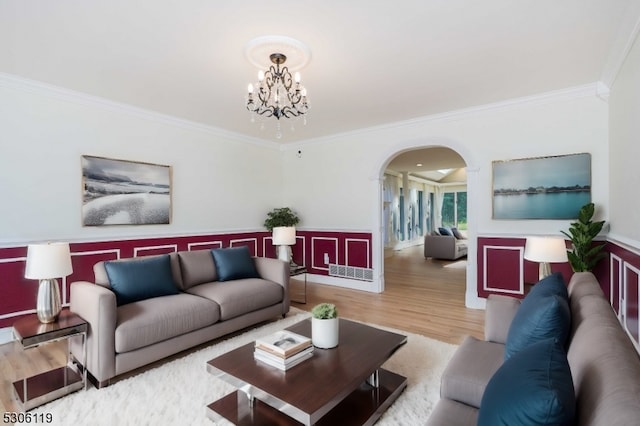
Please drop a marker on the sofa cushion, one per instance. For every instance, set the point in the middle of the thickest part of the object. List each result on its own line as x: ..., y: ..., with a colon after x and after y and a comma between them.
x: 141, y: 279
x: 234, y: 263
x: 150, y: 321
x: 451, y: 413
x: 538, y: 318
x: 197, y: 267
x: 533, y: 387
x: 604, y: 366
x: 470, y: 369
x: 240, y: 296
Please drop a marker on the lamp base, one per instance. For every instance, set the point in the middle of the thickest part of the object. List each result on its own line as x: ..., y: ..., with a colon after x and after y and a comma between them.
x: 544, y: 270
x: 48, y: 303
x: 284, y: 253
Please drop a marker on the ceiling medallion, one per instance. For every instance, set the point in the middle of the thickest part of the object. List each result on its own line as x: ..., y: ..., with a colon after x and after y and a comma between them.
x: 277, y: 93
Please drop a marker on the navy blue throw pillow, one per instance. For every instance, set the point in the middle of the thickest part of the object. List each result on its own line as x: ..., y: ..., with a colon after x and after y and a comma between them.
x: 548, y: 286
x: 445, y: 231
x: 538, y: 318
x: 533, y: 387
x: 140, y: 279
x: 234, y: 263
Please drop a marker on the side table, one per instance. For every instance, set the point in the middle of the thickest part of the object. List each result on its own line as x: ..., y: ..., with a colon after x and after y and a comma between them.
x: 299, y: 270
x: 45, y: 387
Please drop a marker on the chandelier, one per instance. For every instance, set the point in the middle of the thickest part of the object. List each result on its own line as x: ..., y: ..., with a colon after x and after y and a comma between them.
x: 277, y: 93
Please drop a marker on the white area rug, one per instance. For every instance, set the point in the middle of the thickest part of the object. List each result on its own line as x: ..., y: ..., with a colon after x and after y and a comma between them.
x: 177, y: 393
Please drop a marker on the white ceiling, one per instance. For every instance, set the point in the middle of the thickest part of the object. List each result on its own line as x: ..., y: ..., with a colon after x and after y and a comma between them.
x: 426, y: 163
x: 372, y: 62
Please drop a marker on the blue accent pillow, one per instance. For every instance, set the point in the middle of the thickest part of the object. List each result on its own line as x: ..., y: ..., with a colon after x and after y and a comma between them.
x: 538, y: 318
x: 533, y: 387
x: 445, y: 231
x: 234, y: 263
x: 141, y: 279
x: 549, y: 286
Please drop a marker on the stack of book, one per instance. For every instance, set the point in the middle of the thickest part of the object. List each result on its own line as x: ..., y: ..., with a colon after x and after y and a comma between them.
x: 283, y: 349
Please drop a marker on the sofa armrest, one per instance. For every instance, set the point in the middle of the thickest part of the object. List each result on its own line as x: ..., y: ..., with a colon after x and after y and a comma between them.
x: 277, y: 271
x: 97, y: 305
x: 498, y: 316
x: 439, y: 246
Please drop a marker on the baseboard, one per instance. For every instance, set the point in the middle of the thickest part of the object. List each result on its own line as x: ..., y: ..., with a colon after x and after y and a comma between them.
x: 6, y: 335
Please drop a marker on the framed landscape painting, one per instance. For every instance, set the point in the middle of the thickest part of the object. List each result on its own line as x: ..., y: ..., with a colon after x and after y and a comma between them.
x: 541, y: 188
x: 119, y: 192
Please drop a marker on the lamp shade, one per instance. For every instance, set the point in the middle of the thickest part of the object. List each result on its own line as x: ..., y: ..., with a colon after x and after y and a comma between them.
x: 545, y: 249
x: 50, y: 260
x: 284, y: 235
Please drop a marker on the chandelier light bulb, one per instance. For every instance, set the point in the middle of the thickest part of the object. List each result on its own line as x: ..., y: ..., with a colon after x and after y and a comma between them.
x: 260, y: 75
x: 303, y: 92
x: 297, y: 77
x: 250, y: 88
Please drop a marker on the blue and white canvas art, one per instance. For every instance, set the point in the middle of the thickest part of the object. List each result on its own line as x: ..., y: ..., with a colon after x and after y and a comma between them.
x: 118, y: 192
x: 541, y: 188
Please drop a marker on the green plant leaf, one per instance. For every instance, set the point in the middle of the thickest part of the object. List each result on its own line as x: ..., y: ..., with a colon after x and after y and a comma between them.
x: 584, y: 255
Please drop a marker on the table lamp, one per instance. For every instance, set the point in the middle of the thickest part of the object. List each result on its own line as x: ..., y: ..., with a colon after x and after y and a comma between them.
x: 47, y: 262
x: 545, y: 250
x: 284, y: 237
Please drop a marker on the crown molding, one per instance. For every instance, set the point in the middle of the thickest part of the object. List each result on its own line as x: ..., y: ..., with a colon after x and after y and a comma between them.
x: 627, y: 35
x: 21, y: 84
x: 596, y: 89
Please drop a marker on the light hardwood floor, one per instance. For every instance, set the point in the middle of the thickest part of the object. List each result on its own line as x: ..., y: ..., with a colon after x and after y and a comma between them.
x: 422, y: 296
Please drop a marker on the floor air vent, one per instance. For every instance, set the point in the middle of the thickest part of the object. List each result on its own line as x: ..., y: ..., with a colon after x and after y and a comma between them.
x: 352, y: 272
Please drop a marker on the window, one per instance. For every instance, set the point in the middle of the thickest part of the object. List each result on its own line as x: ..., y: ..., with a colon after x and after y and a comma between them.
x: 454, y: 210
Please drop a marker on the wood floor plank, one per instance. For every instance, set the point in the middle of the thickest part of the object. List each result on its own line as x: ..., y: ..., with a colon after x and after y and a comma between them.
x: 421, y: 296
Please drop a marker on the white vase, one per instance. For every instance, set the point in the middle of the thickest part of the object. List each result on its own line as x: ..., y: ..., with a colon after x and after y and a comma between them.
x: 324, y: 332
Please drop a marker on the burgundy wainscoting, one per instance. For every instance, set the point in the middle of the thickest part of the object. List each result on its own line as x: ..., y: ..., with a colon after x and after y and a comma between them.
x: 18, y: 294
x: 502, y: 268
x: 342, y: 248
x: 623, y: 288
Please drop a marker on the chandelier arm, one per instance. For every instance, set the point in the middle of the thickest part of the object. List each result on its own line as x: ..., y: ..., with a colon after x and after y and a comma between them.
x: 290, y: 112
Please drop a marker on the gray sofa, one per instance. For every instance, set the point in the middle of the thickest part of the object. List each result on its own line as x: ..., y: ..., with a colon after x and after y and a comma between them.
x: 123, y: 337
x: 604, y: 365
x: 444, y: 247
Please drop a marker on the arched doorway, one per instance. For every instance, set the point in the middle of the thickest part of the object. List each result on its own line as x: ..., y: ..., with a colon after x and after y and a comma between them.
x: 471, y: 298
x: 423, y: 189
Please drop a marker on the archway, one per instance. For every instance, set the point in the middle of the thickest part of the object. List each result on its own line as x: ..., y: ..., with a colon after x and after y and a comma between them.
x: 471, y: 295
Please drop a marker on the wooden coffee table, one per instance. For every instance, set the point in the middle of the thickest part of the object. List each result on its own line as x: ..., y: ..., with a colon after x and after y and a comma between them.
x: 344, y: 385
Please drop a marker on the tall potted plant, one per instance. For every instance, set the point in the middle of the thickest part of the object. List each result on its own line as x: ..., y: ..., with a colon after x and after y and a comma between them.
x: 584, y: 255
x: 324, y: 326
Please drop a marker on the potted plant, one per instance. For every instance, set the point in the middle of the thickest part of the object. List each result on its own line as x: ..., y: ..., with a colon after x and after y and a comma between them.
x: 282, y: 224
x: 324, y: 326
x: 584, y: 255
x: 283, y: 216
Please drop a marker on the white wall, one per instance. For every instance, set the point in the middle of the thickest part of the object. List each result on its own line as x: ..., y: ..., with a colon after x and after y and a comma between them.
x: 335, y: 182
x: 221, y: 182
x: 624, y: 122
x: 331, y: 183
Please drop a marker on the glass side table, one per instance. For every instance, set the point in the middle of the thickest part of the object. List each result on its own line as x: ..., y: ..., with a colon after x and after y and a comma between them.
x: 299, y: 270
x: 45, y: 387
